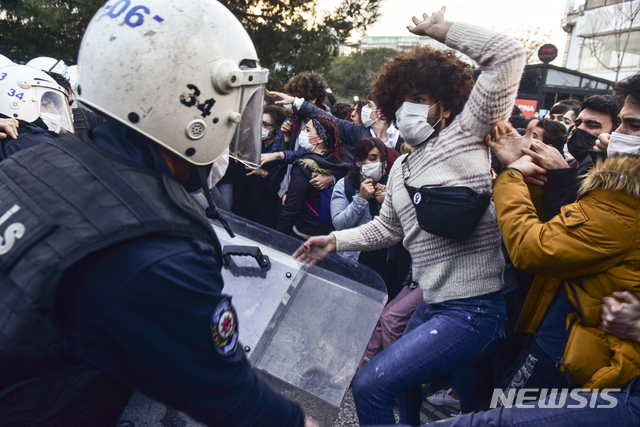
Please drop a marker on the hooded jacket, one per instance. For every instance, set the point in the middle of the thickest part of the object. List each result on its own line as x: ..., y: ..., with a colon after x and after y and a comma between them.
x: 592, y: 248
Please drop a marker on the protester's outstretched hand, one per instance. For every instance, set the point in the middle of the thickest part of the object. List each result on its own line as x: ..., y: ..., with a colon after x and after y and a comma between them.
x: 315, y: 249
x: 621, y: 316
x: 268, y: 157
x: 532, y: 173
x: 546, y: 156
x: 9, y: 127
x: 434, y: 26
x: 507, y: 143
x: 284, y: 98
x: 259, y: 172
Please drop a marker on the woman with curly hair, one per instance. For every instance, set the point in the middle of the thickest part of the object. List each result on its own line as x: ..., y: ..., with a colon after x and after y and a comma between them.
x: 445, y: 118
x: 306, y: 211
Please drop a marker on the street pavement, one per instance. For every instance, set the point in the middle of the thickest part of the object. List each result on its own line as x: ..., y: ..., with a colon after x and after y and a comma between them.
x: 144, y: 412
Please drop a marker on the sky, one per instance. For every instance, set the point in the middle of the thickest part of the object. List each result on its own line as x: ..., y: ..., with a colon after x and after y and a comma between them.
x: 497, y: 14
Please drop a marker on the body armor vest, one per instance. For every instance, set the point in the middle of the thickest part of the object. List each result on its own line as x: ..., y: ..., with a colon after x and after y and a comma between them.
x: 60, y: 202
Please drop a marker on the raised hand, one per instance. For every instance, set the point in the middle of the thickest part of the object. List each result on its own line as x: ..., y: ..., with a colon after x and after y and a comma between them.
x: 506, y: 142
x: 434, y: 26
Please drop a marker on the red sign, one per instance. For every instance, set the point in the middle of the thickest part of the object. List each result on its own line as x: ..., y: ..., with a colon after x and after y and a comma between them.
x: 527, y: 106
x: 547, y: 53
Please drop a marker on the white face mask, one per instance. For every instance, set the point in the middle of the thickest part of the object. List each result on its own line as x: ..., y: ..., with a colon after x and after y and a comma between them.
x: 622, y: 143
x: 411, y: 120
x: 365, y: 114
x: 265, y: 133
x: 372, y: 171
x: 52, y: 121
x: 303, y: 140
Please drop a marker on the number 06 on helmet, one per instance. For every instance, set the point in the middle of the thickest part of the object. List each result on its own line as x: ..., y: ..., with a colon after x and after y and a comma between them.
x: 184, y: 74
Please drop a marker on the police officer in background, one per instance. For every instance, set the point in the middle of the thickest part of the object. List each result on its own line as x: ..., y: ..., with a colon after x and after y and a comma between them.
x: 36, y: 103
x: 109, y: 271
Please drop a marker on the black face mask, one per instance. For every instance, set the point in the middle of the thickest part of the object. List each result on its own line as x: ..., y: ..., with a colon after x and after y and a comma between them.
x: 580, y: 143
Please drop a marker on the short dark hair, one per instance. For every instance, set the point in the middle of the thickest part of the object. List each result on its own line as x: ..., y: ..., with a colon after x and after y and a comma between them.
x: 518, y: 121
x: 571, y: 102
x: 364, y: 146
x: 555, y: 133
x: 423, y: 70
x: 340, y: 110
x: 559, y: 109
x: 278, y: 115
x: 59, y: 78
x: 308, y: 85
x: 629, y: 87
x: 606, y: 104
x: 516, y: 111
x: 270, y: 99
x: 576, y: 111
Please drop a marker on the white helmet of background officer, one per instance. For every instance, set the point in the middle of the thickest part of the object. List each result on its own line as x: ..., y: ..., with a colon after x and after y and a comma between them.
x: 46, y: 63
x: 28, y: 94
x: 71, y: 74
x: 184, y: 74
x: 4, y: 61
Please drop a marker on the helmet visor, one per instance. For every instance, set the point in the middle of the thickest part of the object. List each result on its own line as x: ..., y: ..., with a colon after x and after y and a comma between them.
x: 54, y: 110
x: 246, y: 145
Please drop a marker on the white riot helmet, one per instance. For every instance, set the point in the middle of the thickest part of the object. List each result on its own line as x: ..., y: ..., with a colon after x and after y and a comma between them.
x: 28, y: 94
x: 71, y: 74
x: 4, y: 61
x: 184, y: 74
x: 45, y: 63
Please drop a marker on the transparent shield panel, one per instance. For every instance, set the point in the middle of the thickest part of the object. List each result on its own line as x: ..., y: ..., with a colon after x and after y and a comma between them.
x: 54, y: 110
x: 246, y: 146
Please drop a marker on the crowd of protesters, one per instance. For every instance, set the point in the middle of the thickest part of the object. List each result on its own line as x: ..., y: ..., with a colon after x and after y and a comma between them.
x: 510, y: 247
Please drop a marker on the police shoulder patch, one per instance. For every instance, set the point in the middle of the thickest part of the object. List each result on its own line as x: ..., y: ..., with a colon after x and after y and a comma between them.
x: 224, y: 327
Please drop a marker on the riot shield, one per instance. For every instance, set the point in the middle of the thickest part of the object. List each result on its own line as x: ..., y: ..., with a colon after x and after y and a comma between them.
x: 303, y: 330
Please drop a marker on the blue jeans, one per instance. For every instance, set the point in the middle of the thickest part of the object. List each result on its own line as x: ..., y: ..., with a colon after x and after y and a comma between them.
x: 439, y: 339
x: 626, y: 413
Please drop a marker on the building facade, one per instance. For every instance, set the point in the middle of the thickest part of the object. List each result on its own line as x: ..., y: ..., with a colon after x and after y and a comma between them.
x: 603, y: 37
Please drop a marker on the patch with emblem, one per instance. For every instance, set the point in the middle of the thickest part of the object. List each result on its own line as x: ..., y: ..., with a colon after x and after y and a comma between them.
x: 224, y: 327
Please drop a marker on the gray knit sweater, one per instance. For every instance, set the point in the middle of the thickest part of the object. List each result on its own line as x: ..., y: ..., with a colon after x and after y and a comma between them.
x: 450, y: 269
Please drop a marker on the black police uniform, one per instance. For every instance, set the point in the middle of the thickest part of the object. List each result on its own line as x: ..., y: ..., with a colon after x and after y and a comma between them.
x: 144, y: 304
x: 29, y: 135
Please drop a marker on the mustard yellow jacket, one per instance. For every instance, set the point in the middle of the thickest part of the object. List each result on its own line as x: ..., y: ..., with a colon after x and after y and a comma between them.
x: 593, y: 248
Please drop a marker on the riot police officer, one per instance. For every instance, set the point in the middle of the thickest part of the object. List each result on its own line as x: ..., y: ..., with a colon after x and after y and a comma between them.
x: 109, y: 271
x: 34, y: 101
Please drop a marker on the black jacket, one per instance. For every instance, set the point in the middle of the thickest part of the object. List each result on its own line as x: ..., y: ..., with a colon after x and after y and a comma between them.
x: 302, y: 207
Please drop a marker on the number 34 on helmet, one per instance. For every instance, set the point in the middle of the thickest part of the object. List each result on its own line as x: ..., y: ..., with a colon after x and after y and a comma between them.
x: 184, y: 74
